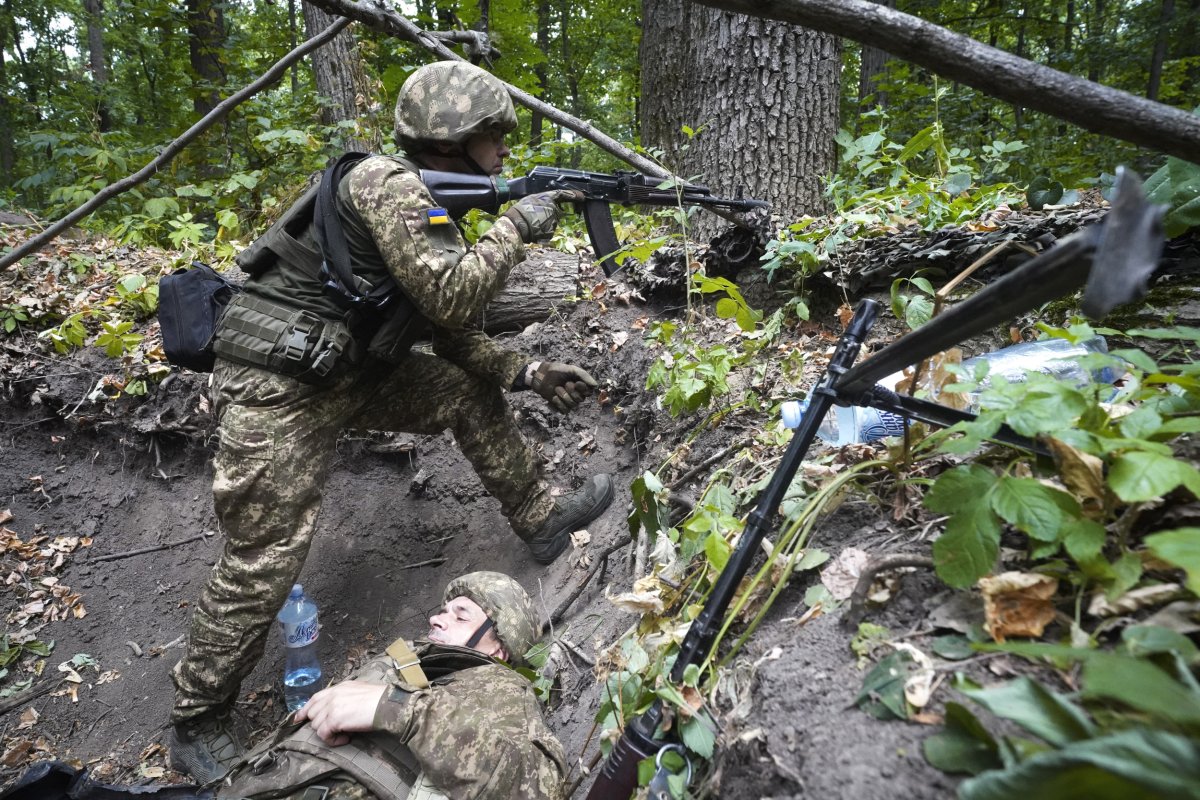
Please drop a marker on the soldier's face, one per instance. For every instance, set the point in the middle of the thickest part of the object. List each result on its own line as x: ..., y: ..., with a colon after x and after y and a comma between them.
x: 488, y: 150
x: 457, y: 622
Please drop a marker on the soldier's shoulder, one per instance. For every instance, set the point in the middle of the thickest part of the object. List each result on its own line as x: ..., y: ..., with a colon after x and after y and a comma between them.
x: 379, y: 173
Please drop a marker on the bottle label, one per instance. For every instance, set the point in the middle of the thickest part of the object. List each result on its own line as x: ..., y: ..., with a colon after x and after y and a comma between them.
x: 300, y: 634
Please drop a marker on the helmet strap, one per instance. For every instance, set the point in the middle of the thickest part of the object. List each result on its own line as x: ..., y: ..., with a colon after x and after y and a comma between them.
x: 478, y: 635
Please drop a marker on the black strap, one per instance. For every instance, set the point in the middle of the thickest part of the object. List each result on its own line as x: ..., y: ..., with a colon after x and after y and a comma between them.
x: 332, y: 238
x: 480, y: 632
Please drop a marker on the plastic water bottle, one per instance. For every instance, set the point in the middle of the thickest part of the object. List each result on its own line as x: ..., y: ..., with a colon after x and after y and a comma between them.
x: 1058, y: 358
x: 302, y: 671
x: 847, y: 425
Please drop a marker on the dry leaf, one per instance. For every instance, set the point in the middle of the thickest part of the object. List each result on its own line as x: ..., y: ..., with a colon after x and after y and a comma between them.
x: 1135, y: 600
x: 108, y: 676
x: 639, y: 602
x: 619, y: 338
x: 1017, y: 604
x: 844, y: 314
x: 29, y: 718
x: 5, y: 516
x: 1083, y: 474
x: 580, y: 538
x: 840, y: 576
x: 16, y: 755
x: 919, y: 686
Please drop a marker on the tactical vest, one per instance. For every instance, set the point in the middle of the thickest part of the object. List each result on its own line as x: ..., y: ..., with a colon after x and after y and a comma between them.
x: 296, y: 758
x: 305, y: 312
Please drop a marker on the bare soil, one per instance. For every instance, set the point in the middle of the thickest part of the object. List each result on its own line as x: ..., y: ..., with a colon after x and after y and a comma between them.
x: 402, y: 516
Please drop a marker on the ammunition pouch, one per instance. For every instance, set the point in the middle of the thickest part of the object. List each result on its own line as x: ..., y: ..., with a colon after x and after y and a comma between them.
x: 289, y: 341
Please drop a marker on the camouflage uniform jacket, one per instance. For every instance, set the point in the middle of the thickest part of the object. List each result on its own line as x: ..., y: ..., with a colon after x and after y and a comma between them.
x: 384, y: 210
x: 473, y: 734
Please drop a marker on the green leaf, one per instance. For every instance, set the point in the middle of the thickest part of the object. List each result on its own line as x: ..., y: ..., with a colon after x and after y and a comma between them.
x: 1180, y: 547
x: 1084, y: 539
x: 882, y: 693
x: 919, y: 143
x: 1043, y: 192
x: 1142, y: 764
x: 39, y: 648
x: 1139, y: 640
x: 698, y: 736
x: 960, y: 488
x: 969, y: 548
x: 717, y: 550
x: 1033, y: 507
x: 1140, y: 476
x: 1142, y: 686
x: 952, y: 647
x: 964, y: 745
x: 1035, y: 708
x: 918, y: 311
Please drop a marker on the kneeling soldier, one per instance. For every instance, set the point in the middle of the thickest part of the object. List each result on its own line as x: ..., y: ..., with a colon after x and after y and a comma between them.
x: 447, y: 720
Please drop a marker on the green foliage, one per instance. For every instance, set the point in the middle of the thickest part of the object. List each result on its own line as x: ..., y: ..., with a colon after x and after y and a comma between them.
x: 1107, y: 462
x: 1133, y: 730
x: 11, y: 317
x: 1177, y: 185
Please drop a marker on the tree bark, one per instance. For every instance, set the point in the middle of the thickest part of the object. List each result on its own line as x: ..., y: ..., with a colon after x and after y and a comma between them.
x: 206, y: 41
x: 535, y: 287
x: 1160, y: 49
x: 7, y: 148
x: 1091, y: 106
x: 763, y: 95
x: 870, y: 67
x: 543, y: 75
x: 97, y: 60
x: 341, y: 82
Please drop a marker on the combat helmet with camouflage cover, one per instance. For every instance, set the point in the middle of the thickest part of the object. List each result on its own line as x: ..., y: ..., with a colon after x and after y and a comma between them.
x: 506, y: 604
x: 451, y: 101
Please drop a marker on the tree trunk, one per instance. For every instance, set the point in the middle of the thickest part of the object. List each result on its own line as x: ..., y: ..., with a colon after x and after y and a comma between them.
x: 536, y: 120
x: 7, y: 151
x: 1160, y: 49
x: 294, y: 72
x: 763, y: 96
x: 574, y: 99
x: 341, y: 82
x: 535, y: 287
x: 1096, y: 108
x: 206, y: 42
x: 97, y: 61
x: 871, y: 63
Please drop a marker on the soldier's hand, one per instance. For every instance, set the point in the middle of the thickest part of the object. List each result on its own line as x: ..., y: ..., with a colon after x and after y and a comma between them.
x: 348, y: 707
x: 563, y: 385
x: 536, y: 216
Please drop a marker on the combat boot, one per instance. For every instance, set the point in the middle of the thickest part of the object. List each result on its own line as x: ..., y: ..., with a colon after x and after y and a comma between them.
x: 205, y: 748
x: 571, y: 512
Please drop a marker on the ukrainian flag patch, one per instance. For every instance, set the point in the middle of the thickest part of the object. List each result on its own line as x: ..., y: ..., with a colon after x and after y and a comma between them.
x: 437, y: 216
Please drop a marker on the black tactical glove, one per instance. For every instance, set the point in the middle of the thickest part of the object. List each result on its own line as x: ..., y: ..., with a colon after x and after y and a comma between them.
x: 563, y: 385
x: 536, y: 216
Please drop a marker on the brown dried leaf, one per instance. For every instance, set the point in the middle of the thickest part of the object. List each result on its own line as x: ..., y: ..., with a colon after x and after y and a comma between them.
x: 1083, y: 474
x: 5, y: 516
x: 1017, y: 604
x: 29, y: 718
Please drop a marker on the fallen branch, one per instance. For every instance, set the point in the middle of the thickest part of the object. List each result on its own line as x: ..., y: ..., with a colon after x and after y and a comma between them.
x: 391, y: 22
x: 1091, y: 106
x: 432, y: 562
x: 858, y: 598
x: 557, y: 616
x: 141, y: 551
x: 32, y: 693
x: 170, y: 151
x: 708, y: 462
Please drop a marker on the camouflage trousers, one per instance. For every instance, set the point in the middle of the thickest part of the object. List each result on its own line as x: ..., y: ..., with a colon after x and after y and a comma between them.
x: 276, y: 435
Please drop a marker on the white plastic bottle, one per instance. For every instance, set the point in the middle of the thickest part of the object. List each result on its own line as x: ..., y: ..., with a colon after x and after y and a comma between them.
x: 302, y: 670
x: 1057, y: 358
x: 847, y: 425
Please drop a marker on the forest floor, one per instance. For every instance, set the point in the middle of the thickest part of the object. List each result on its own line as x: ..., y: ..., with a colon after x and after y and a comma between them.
x: 106, y: 503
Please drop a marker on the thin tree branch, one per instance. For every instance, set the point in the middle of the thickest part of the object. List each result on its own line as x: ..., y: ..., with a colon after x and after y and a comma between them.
x: 173, y: 149
x: 391, y: 22
x: 1089, y: 105
x: 557, y: 616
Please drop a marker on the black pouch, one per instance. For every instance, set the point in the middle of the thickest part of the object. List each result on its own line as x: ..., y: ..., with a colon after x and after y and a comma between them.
x: 190, y: 304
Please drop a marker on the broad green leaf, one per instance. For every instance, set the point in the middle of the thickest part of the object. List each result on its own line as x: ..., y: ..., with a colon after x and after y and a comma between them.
x: 952, y: 647
x: 1139, y: 476
x: 717, y: 550
x: 698, y: 736
x: 968, y: 549
x: 1128, y: 571
x: 964, y: 745
x: 1142, y: 686
x: 1141, y: 640
x: 1043, y: 192
x: 1035, y: 708
x: 1033, y: 507
x: 882, y: 693
x: 1084, y: 539
x: 960, y: 488
x: 1180, y: 547
x: 811, y: 559
x: 1141, y: 764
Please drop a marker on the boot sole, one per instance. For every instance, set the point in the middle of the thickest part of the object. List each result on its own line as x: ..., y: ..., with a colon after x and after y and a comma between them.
x: 563, y: 536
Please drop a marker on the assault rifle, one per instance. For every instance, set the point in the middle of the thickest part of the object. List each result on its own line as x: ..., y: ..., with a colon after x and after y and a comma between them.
x: 458, y: 193
x: 1115, y: 259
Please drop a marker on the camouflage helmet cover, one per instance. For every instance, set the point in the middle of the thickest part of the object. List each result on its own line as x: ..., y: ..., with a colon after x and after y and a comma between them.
x: 507, y: 605
x: 451, y: 101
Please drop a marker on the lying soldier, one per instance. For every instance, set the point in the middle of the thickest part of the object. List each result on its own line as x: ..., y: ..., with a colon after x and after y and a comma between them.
x: 448, y: 721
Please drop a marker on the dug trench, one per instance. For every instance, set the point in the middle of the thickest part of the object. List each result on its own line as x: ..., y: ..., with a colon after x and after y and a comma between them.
x: 115, y: 497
